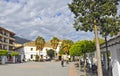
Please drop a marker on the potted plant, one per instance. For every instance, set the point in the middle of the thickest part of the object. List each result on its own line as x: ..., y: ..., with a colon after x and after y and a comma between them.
x: 14, y: 54
x: 3, y: 54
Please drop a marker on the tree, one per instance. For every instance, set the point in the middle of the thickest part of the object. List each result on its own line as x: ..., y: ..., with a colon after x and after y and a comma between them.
x: 81, y: 48
x: 54, y: 42
x: 89, y: 13
x: 3, y: 52
x: 50, y: 53
x: 14, y: 53
x: 61, y: 52
x: 75, y: 49
x: 101, y: 40
x: 66, y: 44
x: 39, y: 42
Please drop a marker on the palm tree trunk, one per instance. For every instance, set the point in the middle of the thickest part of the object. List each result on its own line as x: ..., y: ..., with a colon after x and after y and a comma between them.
x: 99, y: 70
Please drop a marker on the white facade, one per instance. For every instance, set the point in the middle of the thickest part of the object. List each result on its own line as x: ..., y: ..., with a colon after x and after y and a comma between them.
x: 27, y: 53
x: 114, y: 48
x: 30, y: 53
x: 44, y: 52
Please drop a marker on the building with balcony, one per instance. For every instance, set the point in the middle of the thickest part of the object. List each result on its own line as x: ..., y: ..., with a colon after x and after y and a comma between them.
x: 114, y: 48
x: 6, y: 39
x: 6, y: 43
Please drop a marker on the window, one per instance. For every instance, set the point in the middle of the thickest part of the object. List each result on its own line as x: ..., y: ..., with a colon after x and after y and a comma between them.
x: 31, y: 49
x: 31, y: 56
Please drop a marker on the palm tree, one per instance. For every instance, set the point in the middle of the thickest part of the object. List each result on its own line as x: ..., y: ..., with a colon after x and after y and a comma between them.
x: 54, y: 43
x: 39, y: 42
x: 66, y: 44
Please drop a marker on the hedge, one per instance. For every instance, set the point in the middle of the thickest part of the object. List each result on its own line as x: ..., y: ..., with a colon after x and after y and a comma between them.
x: 3, y: 52
x: 14, y: 53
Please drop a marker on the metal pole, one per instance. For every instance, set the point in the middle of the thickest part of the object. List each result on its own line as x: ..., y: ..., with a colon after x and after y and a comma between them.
x: 106, y: 52
x: 99, y: 69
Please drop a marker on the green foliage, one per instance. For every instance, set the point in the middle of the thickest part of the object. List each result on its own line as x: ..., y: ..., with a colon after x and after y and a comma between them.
x: 54, y: 42
x: 75, y: 50
x: 109, y: 54
x: 3, y: 52
x: 101, y: 41
x: 14, y: 53
x: 61, y: 52
x: 36, y: 58
x: 103, y: 11
x: 39, y: 42
x: 66, y: 44
x: 50, y: 53
x: 81, y: 47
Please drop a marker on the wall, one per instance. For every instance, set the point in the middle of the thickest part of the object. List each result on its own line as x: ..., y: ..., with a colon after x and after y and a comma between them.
x: 30, y: 50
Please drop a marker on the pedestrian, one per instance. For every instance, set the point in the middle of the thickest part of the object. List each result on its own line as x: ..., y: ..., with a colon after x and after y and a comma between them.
x: 67, y: 60
x: 62, y: 62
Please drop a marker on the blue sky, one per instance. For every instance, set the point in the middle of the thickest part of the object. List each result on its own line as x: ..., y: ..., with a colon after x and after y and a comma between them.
x: 46, y: 18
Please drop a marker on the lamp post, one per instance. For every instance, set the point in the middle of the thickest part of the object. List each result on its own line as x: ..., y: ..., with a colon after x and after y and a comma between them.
x: 107, y: 59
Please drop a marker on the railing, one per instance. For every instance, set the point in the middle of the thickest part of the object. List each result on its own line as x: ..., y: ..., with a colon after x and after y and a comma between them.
x: 8, y: 37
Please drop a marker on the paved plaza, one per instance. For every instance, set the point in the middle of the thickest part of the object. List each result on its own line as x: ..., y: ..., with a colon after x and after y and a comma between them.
x: 37, y: 69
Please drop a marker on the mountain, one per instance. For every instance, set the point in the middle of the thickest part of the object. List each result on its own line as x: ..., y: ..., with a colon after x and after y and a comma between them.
x: 20, y: 40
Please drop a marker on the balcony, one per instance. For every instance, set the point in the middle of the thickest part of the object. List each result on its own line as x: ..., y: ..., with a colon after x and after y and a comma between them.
x: 5, y: 36
x: 11, y: 38
x: 1, y: 35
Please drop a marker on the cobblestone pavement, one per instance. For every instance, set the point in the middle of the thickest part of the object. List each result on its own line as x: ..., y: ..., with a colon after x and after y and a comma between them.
x: 37, y: 69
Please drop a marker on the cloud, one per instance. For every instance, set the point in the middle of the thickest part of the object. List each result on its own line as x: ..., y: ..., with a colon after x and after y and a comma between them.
x: 47, y: 18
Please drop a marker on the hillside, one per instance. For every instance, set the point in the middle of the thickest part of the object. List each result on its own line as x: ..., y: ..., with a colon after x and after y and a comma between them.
x: 20, y: 40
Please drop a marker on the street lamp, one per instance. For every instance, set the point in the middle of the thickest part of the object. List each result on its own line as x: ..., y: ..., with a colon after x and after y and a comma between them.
x: 107, y: 59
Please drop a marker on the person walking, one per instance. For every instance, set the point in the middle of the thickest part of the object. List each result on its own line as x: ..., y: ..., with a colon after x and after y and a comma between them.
x: 67, y: 60
x: 62, y: 62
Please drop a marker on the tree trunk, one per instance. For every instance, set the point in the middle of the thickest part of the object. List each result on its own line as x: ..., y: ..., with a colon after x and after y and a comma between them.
x: 54, y: 55
x: 85, y: 67
x: 79, y: 64
x: 84, y: 63
x: 99, y: 70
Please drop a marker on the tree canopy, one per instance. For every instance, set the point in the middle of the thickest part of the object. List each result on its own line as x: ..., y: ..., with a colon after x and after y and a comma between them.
x: 3, y: 52
x: 66, y: 44
x: 61, y: 52
x: 81, y: 47
x: 103, y: 11
x: 101, y: 40
x: 54, y: 42
x: 39, y: 42
x: 50, y: 53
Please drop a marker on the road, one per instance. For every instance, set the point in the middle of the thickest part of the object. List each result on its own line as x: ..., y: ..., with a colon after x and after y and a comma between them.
x: 35, y: 69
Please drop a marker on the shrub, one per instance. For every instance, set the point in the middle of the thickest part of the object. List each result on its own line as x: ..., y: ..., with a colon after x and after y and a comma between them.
x: 36, y: 58
x: 3, y: 52
x: 14, y: 53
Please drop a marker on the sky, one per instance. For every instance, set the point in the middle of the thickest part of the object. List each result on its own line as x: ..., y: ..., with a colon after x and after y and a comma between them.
x: 46, y: 18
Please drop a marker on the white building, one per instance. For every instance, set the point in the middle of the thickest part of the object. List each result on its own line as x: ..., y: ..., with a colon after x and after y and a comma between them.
x: 28, y: 51
x: 114, y: 48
